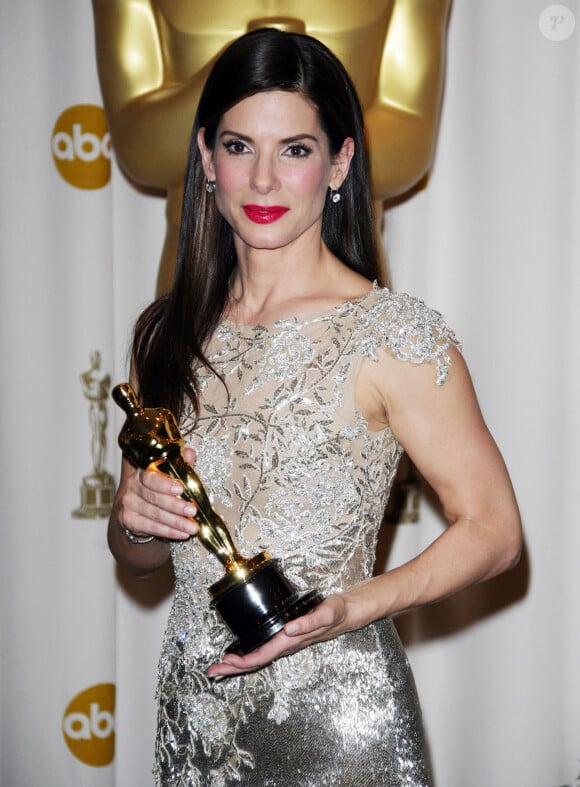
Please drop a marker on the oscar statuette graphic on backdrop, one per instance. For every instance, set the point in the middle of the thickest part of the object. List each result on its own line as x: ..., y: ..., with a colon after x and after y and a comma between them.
x: 97, y: 488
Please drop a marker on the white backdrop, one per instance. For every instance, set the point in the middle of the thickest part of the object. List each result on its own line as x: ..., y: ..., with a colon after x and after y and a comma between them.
x: 493, y: 242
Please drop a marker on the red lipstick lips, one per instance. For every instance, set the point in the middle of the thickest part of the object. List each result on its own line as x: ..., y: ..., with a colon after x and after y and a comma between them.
x: 264, y: 214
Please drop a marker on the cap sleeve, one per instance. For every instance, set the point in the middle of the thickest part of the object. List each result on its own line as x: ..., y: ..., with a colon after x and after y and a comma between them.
x: 410, y: 330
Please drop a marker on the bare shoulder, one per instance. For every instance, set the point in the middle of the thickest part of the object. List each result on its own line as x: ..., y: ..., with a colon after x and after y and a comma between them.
x: 388, y: 386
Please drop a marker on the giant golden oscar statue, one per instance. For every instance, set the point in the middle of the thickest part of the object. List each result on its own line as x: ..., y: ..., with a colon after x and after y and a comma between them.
x: 153, y: 57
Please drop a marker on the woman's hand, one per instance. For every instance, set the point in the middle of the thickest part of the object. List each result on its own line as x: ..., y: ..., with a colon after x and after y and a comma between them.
x: 326, y: 621
x: 149, y: 503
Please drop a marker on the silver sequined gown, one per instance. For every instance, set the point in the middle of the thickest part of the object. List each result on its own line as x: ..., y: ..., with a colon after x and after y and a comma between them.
x: 292, y: 467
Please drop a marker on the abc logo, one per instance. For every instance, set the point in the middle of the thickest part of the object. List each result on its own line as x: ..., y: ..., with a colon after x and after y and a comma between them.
x: 88, y: 725
x: 81, y: 146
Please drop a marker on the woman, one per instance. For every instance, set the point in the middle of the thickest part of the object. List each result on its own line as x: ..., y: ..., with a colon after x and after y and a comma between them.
x: 299, y: 382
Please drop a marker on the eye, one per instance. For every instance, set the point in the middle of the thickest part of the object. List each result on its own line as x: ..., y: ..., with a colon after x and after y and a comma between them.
x: 297, y: 150
x: 235, y: 147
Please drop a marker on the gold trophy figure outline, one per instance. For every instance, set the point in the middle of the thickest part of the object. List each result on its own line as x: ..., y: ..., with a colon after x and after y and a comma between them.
x: 254, y: 598
x: 98, y: 488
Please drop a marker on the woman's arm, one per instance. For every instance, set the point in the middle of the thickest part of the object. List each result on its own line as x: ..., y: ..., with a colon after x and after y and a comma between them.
x: 444, y: 433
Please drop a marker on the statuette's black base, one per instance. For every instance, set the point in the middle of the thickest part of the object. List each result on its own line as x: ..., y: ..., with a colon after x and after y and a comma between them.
x: 259, y: 606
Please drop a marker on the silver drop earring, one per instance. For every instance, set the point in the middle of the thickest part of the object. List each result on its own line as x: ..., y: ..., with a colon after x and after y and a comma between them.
x: 335, y: 196
x: 210, y: 186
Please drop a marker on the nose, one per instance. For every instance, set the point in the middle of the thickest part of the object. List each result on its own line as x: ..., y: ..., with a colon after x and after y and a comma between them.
x: 264, y: 175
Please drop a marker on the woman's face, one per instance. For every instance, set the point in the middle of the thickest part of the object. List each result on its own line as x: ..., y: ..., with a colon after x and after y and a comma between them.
x: 272, y: 168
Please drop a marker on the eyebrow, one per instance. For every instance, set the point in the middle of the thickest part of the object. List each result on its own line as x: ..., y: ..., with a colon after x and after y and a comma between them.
x: 286, y: 141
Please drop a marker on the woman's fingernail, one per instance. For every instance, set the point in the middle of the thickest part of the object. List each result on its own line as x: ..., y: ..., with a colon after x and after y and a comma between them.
x: 176, y: 489
x: 190, y: 511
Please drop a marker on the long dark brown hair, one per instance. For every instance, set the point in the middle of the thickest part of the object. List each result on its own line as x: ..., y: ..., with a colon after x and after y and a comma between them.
x: 170, y: 336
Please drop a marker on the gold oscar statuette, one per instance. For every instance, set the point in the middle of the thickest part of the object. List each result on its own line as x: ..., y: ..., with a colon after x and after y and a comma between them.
x: 254, y: 598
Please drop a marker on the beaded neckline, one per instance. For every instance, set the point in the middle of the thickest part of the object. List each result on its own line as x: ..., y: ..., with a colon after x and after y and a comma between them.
x: 300, y: 320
